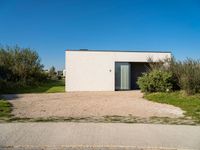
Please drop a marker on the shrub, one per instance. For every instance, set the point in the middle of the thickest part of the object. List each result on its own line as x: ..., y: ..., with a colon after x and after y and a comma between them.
x: 156, y: 81
x: 20, y: 67
x: 187, y: 73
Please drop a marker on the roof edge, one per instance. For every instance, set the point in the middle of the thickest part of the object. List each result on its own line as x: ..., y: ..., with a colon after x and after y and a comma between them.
x: 146, y: 51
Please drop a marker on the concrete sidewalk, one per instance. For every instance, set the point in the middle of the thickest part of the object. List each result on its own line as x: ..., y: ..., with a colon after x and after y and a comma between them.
x: 98, y: 136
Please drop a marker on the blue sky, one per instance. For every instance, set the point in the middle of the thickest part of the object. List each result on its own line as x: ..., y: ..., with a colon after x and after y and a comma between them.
x: 51, y: 26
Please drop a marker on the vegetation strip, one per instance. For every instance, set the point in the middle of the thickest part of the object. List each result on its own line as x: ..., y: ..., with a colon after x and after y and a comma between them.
x: 51, y: 86
x: 5, y: 110
x: 109, y: 119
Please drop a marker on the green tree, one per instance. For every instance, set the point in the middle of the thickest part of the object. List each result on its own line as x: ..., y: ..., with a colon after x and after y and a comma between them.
x: 52, y: 72
x: 20, y: 67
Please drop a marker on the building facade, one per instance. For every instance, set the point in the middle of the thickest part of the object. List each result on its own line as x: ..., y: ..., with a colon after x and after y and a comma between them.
x: 103, y: 70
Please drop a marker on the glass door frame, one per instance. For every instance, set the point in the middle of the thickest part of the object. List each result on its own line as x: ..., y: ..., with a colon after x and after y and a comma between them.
x: 117, y: 75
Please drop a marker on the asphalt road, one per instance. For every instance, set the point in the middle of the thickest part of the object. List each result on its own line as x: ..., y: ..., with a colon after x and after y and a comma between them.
x: 101, y: 136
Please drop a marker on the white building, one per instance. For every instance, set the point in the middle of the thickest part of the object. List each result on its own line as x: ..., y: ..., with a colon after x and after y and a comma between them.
x: 92, y: 70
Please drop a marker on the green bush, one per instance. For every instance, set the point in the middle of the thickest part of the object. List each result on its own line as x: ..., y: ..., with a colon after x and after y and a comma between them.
x: 156, y: 81
x: 20, y: 67
x: 187, y: 73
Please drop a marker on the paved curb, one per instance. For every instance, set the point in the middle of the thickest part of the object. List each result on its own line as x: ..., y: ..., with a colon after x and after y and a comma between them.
x: 86, y: 147
x: 98, y: 136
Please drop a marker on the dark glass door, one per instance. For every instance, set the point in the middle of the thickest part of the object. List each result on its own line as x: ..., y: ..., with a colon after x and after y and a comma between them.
x: 122, y: 76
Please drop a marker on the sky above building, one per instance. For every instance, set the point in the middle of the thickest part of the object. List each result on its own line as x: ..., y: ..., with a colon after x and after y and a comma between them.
x: 52, y: 26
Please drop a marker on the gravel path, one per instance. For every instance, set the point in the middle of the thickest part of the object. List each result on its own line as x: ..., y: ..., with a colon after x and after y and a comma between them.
x: 87, y: 104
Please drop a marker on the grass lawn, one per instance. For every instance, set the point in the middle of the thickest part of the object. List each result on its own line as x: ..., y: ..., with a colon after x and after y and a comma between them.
x: 5, y: 109
x: 190, y: 104
x: 53, y: 86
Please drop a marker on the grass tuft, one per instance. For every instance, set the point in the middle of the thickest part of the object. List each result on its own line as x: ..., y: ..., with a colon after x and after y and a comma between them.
x: 5, y: 109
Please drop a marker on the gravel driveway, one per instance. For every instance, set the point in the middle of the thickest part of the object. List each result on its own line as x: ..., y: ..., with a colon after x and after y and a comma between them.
x: 87, y: 104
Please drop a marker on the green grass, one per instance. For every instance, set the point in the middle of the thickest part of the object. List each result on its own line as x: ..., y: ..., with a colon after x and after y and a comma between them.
x: 52, y: 86
x: 5, y: 109
x: 190, y: 104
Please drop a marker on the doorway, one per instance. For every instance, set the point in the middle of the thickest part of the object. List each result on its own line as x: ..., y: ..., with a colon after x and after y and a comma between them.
x: 122, y: 76
x: 127, y: 73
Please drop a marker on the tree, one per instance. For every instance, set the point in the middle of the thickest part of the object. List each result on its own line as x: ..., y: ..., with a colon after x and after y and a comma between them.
x: 52, y: 72
x: 20, y: 67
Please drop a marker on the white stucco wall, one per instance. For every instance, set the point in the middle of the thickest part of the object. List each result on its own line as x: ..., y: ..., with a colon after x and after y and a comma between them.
x: 95, y: 71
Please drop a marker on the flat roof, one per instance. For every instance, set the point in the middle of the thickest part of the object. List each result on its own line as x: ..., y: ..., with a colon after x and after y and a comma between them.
x: 89, y: 50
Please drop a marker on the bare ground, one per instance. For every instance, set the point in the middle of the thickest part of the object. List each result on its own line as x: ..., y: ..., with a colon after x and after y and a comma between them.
x: 87, y: 104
